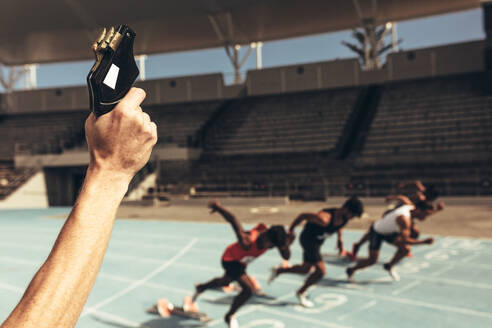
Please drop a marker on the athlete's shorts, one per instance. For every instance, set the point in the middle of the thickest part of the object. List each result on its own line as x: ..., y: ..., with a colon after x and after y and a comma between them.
x: 311, y: 250
x: 376, y: 239
x: 234, y: 269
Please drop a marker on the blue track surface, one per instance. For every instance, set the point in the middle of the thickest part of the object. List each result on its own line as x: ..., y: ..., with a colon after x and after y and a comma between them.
x: 448, y: 284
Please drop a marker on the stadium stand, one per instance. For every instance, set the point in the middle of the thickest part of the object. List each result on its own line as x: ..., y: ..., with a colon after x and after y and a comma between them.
x: 12, y: 178
x: 179, y: 123
x: 437, y: 130
x: 293, y: 122
x: 40, y: 133
x: 297, y: 131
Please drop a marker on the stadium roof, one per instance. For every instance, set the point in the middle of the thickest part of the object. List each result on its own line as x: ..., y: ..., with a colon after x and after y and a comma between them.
x: 34, y: 31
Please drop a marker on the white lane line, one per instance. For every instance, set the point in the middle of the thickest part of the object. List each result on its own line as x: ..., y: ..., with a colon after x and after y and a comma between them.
x: 442, y: 270
x: 362, y: 308
x: 115, y: 255
x: 247, y: 309
x: 471, y: 257
x: 143, y: 280
x: 116, y: 319
x: 161, y: 236
x: 405, y: 288
x: 448, y: 281
x: 433, y: 306
x: 12, y: 288
x: 147, y: 284
x: 317, y: 323
x: 272, y: 257
x: 251, y: 308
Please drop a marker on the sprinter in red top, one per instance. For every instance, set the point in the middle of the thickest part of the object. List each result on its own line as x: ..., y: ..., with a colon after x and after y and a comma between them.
x: 236, y: 257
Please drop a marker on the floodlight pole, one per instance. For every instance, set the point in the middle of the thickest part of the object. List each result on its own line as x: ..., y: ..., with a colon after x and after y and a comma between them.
x: 224, y: 29
x: 141, y: 65
x: 259, y: 59
x: 30, y: 80
x: 394, y: 37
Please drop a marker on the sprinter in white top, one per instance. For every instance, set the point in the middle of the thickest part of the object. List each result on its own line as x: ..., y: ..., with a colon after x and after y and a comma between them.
x: 394, y: 228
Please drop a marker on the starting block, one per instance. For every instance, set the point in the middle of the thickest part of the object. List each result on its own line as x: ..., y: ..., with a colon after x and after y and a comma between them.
x: 189, y: 310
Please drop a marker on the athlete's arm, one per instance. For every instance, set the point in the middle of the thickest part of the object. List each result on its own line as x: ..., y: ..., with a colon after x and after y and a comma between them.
x: 416, y: 184
x: 400, y: 198
x: 321, y: 219
x: 284, y: 252
x: 242, y: 236
x: 120, y: 143
x: 340, y: 241
x: 404, y: 224
x: 439, y: 207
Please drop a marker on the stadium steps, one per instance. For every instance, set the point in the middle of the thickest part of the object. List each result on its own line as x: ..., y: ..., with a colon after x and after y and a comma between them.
x: 11, y: 178
x: 359, y: 122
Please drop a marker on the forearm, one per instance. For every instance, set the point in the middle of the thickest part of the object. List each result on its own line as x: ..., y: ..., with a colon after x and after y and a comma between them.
x: 236, y: 225
x: 296, y: 222
x: 59, y: 290
x: 411, y: 241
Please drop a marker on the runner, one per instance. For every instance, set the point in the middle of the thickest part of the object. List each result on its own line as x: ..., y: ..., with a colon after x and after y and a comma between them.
x: 394, y: 228
x: 414, y: 231
x: 236, y: 257
x: 317, y: 228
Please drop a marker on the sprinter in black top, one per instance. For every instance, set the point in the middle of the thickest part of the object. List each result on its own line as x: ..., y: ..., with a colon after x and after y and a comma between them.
x: 317, y: 228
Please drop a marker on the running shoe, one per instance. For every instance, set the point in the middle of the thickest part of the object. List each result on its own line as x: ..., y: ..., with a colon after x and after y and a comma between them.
x: 303, y: 301
x: 392, y: 272
x: 233, y: 322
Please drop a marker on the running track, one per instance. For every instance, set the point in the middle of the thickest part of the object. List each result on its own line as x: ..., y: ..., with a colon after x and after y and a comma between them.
x: 448, y: 284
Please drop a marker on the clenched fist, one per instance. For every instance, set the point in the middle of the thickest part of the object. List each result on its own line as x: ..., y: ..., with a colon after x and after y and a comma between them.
x: 120, y: 142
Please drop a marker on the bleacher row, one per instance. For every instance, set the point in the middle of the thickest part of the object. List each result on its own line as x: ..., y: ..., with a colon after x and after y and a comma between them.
x: 299, y: 122
x: 436, y: 129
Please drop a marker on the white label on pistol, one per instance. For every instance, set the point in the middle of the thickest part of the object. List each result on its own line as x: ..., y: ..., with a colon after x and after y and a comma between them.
x: 112, y: 76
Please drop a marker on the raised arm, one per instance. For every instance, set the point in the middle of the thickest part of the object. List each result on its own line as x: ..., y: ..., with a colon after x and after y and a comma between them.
x: 120, y: 143
x: 242, y: 236
x: 417, y: 184
x: 321, y: 219
x: 401, y: 198
x: 404, y: 224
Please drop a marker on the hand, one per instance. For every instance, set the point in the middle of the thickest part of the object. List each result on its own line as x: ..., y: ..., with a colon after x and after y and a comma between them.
x: 120, y: 142
x: 429, y: 241
x: 213, y: 205
x: 440, y: 206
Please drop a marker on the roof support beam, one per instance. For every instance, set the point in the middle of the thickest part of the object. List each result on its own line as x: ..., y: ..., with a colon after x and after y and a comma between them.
x: 227, y: 37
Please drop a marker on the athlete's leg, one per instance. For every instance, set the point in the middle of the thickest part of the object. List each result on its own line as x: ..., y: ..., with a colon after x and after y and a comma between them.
x: 356, y: 246
x: 363, y: 263
x: 247, y: 288
x: 311, y: 256
x: 319, y: 272
x: 214, y: 283
x: 402, y: 251
x: 303, y: 268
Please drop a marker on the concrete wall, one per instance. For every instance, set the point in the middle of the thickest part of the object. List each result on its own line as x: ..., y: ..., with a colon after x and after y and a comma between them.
x: 162, y: 91
x: 32, y: 194
x: 63, y: 184
x: 437, y: 61
x: 420, y: 63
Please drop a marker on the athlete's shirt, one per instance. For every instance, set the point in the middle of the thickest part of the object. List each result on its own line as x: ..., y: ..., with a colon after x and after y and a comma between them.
x: 235, y: 252
x: 317, y: 233
x: 387, y: 224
